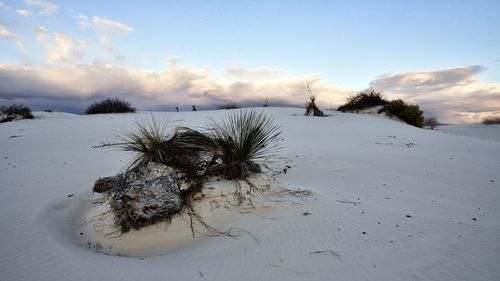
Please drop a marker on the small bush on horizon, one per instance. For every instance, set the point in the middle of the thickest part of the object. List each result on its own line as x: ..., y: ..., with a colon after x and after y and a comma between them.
x: 491, y: 121
x: 15, y: 112
x: 363, y: 100
x: 431, y: 123
x: 114, y: 105
x: 310, y: 105
x: 312, y: 108
x: 229, y: 105
x: 409, y: 113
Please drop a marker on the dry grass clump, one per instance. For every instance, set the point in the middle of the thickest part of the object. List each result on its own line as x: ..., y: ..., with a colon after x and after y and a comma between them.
x: 491, y: 121
x: 114, y: 105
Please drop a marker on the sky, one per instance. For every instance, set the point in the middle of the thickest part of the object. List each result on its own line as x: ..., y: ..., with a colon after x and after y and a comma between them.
x: 64, y: 55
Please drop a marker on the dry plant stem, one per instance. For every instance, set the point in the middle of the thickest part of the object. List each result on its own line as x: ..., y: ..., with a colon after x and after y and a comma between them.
x: 325, y: 251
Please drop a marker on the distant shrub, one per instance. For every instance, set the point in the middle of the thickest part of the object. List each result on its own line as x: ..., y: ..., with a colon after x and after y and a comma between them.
x: 15, y: 112
x: 363, y: 100
x: 266, y: 103
x: 491, y: 121
x: 431, y: 123
x: 409, y: 113
x: 114, y: 105
x: 228, y: 105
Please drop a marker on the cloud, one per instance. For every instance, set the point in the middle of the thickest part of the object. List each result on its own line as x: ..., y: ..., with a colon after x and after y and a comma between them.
x: 24, y: 12
x: 60, y: 48
x: 181, y: 85
x: 453, y: 95
x: 44, y: 7
x: 109, y: 26
x: 241, y: 73
x: 83, y: 21
x: 106, y: 29
x: 3, y: 6
x: 7, y: 35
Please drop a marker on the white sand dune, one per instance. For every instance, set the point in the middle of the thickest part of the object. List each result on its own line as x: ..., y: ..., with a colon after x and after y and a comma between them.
x: 389, y: 202
x: 486, y: 132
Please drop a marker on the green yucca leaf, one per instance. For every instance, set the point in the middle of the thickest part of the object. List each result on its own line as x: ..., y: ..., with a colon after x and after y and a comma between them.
x: 248, y: 135
x: 148, y: 142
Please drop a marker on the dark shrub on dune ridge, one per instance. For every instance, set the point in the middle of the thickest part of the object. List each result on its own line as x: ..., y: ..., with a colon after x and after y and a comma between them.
x: 431, y: 123
x: 409, y: 113
x: 491, y: 121
x: 15, y: 112
x: 363, y: 100
x: 114, y: 105
x: 229, y: 105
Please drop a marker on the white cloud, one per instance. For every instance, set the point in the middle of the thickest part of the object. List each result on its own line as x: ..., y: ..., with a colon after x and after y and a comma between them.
x: 7, y: 35
x: 83, y: 21
x: 176, y: 85
x: 109, y: 26
x: 44, y: 7
x: 453, y: 95
x: 24, y: 12
x: 3, y: 6
x: 106, y: 29
x: 60, y: 48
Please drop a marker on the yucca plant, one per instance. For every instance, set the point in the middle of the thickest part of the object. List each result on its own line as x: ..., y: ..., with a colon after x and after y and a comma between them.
x: 148, y: 142
x: 190, y: 139
x: 245, y: 136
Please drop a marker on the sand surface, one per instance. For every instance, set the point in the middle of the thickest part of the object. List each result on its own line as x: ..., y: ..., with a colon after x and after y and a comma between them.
x: 389, y: 202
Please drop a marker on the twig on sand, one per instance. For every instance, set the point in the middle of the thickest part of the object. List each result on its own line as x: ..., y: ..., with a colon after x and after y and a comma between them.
x: 106, y: 144
x: 326, y: 251
x: 232, y: 229
x: 347, y: 202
